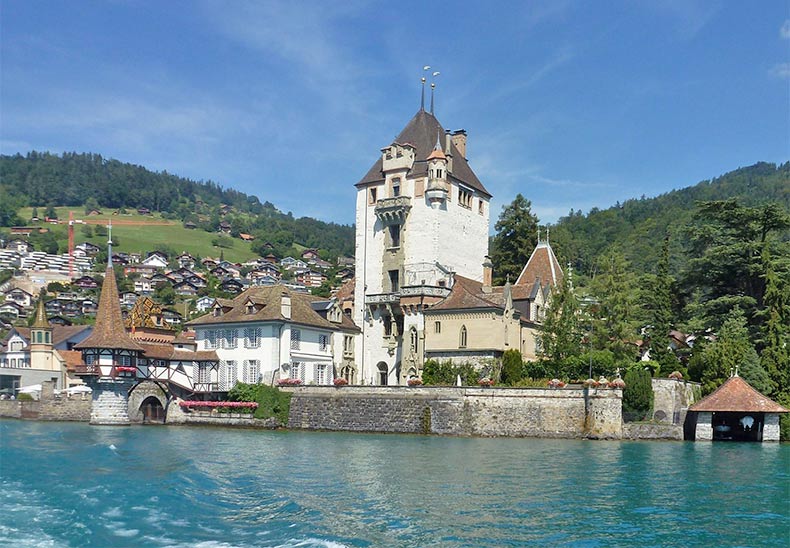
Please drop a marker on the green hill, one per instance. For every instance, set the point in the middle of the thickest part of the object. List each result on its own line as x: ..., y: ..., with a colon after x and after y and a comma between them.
x: 636, y: 227
x: 87, y: 180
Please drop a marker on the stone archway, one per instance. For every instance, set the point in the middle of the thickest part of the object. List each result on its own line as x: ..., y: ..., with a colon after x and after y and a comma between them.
x: 141, y: 402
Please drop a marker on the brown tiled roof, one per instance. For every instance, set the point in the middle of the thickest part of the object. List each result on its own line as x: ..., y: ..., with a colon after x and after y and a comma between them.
x: 169, y: 352
x: 739, y: 396
x: 109, y: 331
x: 60, y: 333
x: 346, y: 290
x: 73, y: 358
x: 421, y: 133
x: 268, y: 299
x: 543, y: 265
x: 466, y: 294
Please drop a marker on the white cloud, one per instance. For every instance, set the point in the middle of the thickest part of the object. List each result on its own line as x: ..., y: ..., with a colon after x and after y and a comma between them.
x: 781, y: 70
x: 784, y: 32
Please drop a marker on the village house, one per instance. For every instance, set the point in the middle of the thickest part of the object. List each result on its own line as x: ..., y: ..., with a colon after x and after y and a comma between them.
x: 271, y: 333
x: 19, y: 296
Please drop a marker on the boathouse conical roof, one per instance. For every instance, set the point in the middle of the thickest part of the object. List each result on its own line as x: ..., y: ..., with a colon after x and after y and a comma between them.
x: 109, y: 331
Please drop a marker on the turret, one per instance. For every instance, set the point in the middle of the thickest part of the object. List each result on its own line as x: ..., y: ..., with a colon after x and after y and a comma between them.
x: 437, y: 176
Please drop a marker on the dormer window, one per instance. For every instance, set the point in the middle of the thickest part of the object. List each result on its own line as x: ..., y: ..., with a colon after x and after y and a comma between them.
x: 217, y: 311
x: 250, y: 309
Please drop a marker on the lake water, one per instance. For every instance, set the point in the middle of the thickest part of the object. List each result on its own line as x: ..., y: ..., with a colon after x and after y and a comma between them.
x: 77, y: 485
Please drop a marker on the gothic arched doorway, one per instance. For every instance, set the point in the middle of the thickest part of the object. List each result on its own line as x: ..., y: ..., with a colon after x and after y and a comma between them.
x: 152, y: 411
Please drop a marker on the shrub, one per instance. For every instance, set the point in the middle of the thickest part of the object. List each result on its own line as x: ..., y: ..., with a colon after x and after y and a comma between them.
x: 446, y: 373
x: 271, y: 401
x: 512, y: 367
x: 25, y: 397
x: 637, y: 394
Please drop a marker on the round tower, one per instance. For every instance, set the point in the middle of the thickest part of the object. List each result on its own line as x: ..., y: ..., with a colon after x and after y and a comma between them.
x: 436, y: 192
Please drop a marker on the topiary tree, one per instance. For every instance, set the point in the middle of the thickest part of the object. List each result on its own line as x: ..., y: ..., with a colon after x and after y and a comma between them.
x: 512, y: 367
x: 637, y: 394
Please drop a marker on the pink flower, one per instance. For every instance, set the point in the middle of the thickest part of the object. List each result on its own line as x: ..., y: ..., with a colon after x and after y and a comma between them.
x: 340, y: 381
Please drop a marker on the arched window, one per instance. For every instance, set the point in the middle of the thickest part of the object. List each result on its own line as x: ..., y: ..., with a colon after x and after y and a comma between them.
x: 383, y: 373
x: 462, y: 342
x: 413, y: 339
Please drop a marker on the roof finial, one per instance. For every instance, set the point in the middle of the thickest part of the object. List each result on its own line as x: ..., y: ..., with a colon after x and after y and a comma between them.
x: 736, y: 370
x: 548, y: 228
x: 109, y: 243
x: 422, y: 95
x: 538, y: 234
x: 433, y: 87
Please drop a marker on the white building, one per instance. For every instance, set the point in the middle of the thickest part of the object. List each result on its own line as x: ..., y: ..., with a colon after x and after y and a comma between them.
x: 270, y: 333
x: 421, y: 215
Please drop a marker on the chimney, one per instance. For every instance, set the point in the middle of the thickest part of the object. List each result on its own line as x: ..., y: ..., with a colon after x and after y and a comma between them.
x: 488, y: 274
x: 285, y: 305
x: 459, y: 140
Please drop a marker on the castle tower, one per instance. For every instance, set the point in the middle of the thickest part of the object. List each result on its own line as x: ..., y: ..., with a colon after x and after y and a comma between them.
x: 111, y: 358
x: 421, y: 215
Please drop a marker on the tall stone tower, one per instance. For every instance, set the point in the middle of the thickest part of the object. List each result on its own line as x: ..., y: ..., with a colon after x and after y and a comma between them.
x: 421, y: 214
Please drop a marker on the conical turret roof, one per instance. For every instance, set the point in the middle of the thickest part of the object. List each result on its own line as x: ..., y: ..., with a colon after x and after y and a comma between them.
x: 41, y: 315
x: 109, y: 331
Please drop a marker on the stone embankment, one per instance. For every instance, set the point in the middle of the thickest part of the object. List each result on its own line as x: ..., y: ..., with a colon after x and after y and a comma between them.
x: 49, y: 407
x: 509, y: 412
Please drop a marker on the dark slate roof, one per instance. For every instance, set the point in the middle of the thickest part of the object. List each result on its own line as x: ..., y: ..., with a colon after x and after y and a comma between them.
x: 739, y: 396
x: 109, y: 331
x: 421, y: 132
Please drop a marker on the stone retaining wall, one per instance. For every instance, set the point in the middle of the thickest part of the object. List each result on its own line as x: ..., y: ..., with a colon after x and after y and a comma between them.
x: 49, y: 407
x: 652, y: 431
x: 513, y: 412
x: 176, y: 415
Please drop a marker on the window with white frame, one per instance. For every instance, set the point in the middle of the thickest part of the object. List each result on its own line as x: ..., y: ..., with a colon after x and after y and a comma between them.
x: 320, y: 373
x: 296, y: 339
x: 227, y: 375
x: 229, y: 338
x: 252, y: 337
x: 201, y: 373
x: 298, y: 370
x: 90, y: 359
x: 211, y: 339
x: 323, y: 342
x: 125, y: 361
x: 252, y: 370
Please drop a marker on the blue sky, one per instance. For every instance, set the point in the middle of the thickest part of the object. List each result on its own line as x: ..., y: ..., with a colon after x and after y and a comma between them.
x: 573, y: 104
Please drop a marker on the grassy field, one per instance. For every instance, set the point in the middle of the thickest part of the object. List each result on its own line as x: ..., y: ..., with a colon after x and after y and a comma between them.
x: 142, y: 233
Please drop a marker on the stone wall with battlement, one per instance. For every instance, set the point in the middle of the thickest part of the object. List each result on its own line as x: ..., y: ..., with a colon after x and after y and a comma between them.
x: 512, y: 412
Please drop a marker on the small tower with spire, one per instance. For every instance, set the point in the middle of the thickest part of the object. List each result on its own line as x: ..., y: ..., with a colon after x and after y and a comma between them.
x: 42, y: 355
x: 436, y: 192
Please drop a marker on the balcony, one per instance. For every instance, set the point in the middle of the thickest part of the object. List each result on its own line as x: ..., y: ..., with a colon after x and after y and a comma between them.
x: 383, y: 298
x: 392, y: 211
x: 424, y: 291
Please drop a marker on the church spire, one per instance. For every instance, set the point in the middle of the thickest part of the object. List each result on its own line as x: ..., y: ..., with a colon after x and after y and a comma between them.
x: 41, y: 314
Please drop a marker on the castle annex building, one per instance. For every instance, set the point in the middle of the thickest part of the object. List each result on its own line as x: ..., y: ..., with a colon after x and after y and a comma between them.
x: 422, y: 216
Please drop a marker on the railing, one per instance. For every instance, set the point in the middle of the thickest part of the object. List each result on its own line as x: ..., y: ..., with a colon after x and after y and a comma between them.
x: 393, y: 210
x: 86, y: 370
x: 383, y: 298
x: 427, y: 290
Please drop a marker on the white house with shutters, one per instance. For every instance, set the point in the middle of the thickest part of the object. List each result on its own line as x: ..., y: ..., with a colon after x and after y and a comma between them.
x: 270, y: 333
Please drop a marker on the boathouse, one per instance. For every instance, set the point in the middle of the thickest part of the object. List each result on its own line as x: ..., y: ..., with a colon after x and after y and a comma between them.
x: 737, y: 412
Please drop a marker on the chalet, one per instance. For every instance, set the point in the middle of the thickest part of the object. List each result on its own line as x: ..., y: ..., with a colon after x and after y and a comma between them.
x: 310, y: 278
x: 224, y: 227
x: 197, y: 280
x: 88, y: 248
x: 59, y: 320
x: 159, y: 279
x: 270, y: 258
x: 143, y: 286
x: 231, y: 286
x: 171, y: 317
x: 12, y: 311
x: 735, y: 411
x: 209, y: 263
x: 220, y: 272
x: 156, y: 258
x: 204, y: 303
x: 310, y: 254
x: 259, y: 278
x: 320, y: 263
x: 143, y: 211
x: 147, y: 270
x: 19, y: 296
x: 85, y: 282
x: 289, y: 263
x: 185, y: 260
x: 128, y: 298
x: 93, y: 212
x: 190, y: 225
x: 185, y: 288
x: 89, y: 307
x: 71, y: 309
x: 246, y: 237
x: 345, y: 273
x: 19, y: 245
x: 119, y: 259
x: 345, y: 261
x: 52, y: 307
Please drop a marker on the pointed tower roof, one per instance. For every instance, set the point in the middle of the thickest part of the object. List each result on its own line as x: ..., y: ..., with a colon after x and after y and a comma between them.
x: 420, y: 132
x: 109, y: 331
x: 543, y: 265
x: 437, y: 151
x: 41, y: 315
x: 739, y: 396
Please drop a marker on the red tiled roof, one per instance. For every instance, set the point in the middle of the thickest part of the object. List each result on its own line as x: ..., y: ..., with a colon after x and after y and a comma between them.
x: 543, y: 265
x: 739, y: 396
x: 467, y: 293
x: 73, y: 358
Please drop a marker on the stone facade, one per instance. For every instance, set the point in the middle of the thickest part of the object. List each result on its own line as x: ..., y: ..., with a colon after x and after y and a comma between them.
x: 49, y: 407
x: 110, y: 401
x: 671, y: 399
x: 560, y: 413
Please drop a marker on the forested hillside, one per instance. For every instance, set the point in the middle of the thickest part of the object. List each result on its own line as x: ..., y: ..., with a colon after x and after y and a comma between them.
x: 637, y: 227
x: 42, y: 179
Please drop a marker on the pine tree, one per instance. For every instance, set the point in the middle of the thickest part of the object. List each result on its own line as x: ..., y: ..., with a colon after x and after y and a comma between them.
x: 659, y: 307
x: 515, y: 238
x: 559, y: 337
x: 637, y: 394
x: 775, y: 356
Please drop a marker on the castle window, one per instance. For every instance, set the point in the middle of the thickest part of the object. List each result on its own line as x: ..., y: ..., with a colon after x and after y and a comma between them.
x: 348, y: 344
x: 394, y: 233
x: 439, y: 173
x: 394, y: 276
x: 462, y: 342
x: 480, y: 207
x: 413, y: 339
x: 372, y: 198
x: 437, y: 327
x: 395, y: 188
x: 387, y: 325
x: 464, y: 198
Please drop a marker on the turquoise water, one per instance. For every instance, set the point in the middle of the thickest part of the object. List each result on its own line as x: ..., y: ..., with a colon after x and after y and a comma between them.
x: 77, y: 485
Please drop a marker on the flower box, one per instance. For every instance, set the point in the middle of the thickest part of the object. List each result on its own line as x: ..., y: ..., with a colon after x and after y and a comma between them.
x: 340, y: 381
x: 414, y: 382
x: 486, y: 382
x: 289, y: 382
x: 556, y: 383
